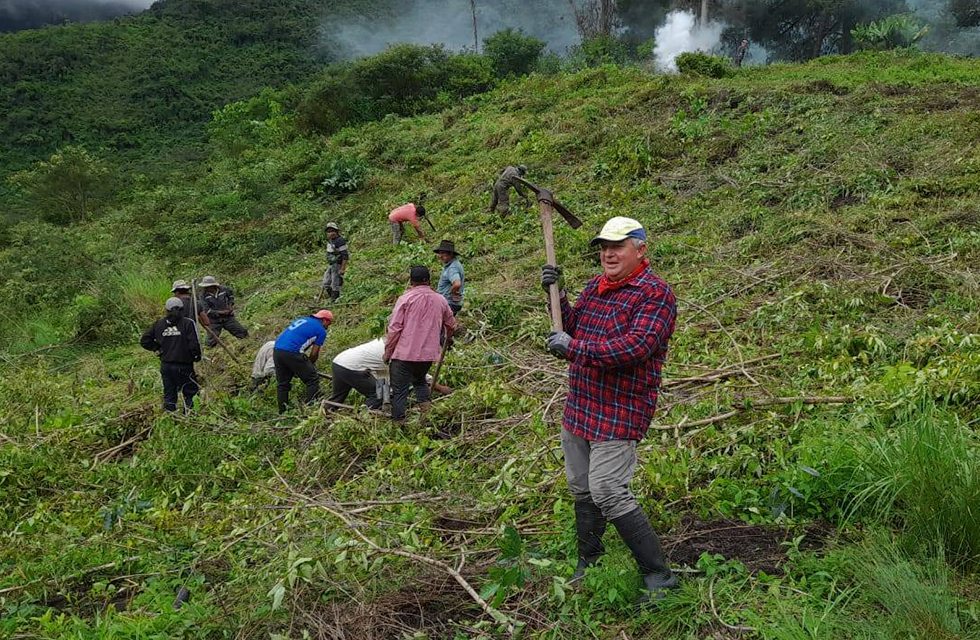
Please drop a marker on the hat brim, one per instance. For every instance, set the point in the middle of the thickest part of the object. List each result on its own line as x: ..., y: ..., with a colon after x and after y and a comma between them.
x: 612, y: 237
x: 455, y: 253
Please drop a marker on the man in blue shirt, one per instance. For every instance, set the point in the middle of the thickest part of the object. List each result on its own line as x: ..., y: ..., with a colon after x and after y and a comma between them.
x: 290, y: 359
x: 451, y: 281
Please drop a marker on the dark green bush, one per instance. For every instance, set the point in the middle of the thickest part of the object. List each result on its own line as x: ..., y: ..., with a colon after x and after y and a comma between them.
x: 702, y: 64
x: 403, y: 80
x: 512, y: 53
x: 599, y: 51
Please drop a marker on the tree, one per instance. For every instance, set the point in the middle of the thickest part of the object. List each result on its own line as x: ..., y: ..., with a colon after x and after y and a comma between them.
x: 966, y: 12
x: 595, y: 18
x: 65, y: 187
x: 802, y: 29
x: 512, y: 53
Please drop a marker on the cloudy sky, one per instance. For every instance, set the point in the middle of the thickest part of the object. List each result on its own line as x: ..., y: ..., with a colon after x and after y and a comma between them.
x: 29, y: 14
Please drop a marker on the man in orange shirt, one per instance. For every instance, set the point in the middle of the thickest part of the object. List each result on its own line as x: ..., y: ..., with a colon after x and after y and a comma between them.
x: 406, y: 213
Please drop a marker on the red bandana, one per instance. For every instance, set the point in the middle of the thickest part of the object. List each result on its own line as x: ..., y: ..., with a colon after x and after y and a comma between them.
x: 606, y: 285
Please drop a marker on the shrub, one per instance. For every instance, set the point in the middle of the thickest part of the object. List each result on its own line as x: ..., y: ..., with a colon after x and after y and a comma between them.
x: 598, y: 51
x: 343, y: 174
x: 702, y: 64
x: 549, y: 64
x: 512, y: 53
x: 66, y: 187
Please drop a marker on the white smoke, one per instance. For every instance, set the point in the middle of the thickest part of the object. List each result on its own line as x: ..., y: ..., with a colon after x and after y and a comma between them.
x: 681, y: 33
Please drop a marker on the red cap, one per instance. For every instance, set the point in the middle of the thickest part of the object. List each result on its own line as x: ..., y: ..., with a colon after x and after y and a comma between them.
x: 324, y: 314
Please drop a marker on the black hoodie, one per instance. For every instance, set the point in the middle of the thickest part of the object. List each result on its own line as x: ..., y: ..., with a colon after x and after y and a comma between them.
x: 175, y: 337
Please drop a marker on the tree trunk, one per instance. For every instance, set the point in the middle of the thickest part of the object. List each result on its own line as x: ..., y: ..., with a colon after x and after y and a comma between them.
x: 476, y: 37
x: 704, y: 12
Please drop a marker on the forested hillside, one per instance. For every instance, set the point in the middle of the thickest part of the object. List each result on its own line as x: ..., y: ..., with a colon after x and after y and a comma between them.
x: 813, y: 466
x: 141, y: 88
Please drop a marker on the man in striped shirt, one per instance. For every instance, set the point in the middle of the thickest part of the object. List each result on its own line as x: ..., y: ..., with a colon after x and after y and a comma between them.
x: 615, y: 339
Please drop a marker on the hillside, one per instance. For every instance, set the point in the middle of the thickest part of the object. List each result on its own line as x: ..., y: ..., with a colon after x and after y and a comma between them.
x: 814, y: 462
x: 142, y: 87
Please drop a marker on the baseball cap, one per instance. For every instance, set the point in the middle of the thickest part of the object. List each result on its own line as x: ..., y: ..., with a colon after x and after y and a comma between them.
x: 331, y: 226
x: 174, y: 303
x: 324, y: 314
x: 620, y: 228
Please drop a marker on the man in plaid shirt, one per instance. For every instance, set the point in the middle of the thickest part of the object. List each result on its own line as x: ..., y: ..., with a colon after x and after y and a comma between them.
x: 615, y: 340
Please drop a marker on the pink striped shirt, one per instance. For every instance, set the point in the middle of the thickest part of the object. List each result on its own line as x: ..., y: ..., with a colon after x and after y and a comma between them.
x: 416, y: 323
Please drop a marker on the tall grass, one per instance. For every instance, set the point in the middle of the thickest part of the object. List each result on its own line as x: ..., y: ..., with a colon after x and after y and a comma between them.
x: 924, y: 470
x: 142, y: 290
x: 915, y: 594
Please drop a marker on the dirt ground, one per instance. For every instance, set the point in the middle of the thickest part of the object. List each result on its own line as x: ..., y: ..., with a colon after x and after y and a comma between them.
x: 758, y: 548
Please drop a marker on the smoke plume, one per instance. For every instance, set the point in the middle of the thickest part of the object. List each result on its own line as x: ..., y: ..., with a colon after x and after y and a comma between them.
x: 16, y: 15
x: 450, y: 23
x: 681, y: 33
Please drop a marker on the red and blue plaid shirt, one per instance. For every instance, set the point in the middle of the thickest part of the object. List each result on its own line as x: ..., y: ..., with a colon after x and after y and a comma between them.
x: 619, y: 345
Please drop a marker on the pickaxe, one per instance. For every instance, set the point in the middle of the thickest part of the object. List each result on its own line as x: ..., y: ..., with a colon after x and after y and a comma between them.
x: 547, y: 204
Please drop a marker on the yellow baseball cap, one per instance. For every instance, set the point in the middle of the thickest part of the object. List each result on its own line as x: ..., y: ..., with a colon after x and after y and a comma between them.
x: 620, y: 228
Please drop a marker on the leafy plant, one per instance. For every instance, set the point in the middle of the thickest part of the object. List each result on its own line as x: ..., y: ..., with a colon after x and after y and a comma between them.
x: 343, y: 174
x: 894, y: 32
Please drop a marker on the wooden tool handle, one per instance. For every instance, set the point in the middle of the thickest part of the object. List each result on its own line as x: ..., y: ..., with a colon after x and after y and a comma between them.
x: 549, y: 249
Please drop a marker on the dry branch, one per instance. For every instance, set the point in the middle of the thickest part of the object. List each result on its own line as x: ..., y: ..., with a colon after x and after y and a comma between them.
x: 755, y: 404
x: 338, y: 513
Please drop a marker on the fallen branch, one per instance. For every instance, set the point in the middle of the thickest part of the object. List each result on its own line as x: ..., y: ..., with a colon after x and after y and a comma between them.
x: 54, y: 581
x: 731, y: 627
x: 497, y: 615
x: 108, y: 454
x: 765, y: 402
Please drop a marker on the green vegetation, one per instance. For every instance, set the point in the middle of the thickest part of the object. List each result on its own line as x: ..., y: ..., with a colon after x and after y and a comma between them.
x: 893, y: 32
x: 817, y: 220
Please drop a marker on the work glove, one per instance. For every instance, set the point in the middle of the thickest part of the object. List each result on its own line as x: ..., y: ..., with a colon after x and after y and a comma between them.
x: 558, y: 343
x: 551, y: 275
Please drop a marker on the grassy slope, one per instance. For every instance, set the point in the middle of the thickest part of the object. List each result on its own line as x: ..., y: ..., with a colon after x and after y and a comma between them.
x: 823, y: 214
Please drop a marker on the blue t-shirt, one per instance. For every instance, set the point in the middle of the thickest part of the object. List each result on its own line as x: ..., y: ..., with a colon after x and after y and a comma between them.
x: 451, y: 272
x: 301, y: 334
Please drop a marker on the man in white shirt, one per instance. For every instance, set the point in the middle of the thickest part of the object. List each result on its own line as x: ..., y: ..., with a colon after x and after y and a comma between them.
x: 361, y: 368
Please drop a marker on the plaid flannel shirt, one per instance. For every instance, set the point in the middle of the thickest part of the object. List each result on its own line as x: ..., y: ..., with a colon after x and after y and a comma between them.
x: 619, y: 345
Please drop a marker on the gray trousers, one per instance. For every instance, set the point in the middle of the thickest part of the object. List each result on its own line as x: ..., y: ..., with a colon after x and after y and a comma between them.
x: 601, y: 471
x: 231, y: 323
x: 344, y: 380
x: 332, y: 280
x: 501, y: 198
x: 397, y: 229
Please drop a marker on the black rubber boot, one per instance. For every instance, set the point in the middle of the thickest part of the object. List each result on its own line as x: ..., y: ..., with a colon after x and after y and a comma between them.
x: 642, y: 540
x: 589, y: 527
